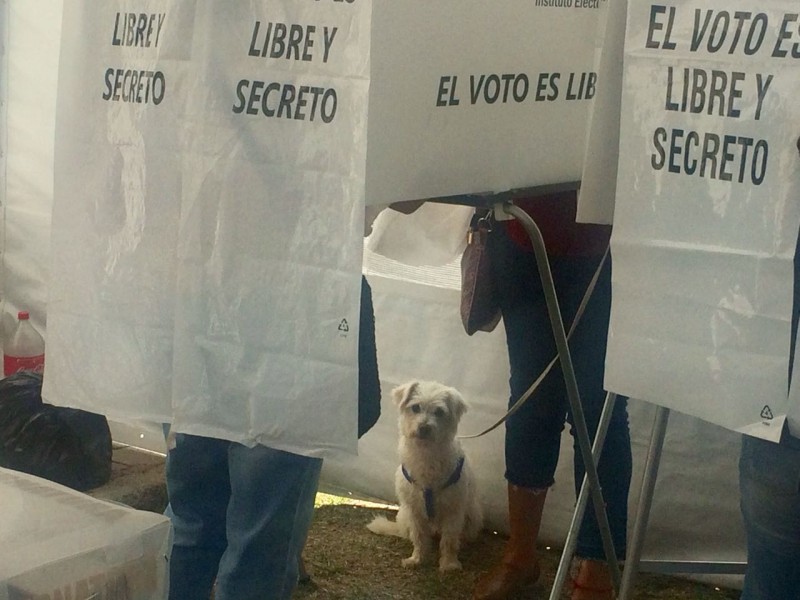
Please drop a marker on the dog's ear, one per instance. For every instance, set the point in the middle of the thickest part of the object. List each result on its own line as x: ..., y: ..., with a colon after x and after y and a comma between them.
x: 402, y: 393
x: 456, y: 403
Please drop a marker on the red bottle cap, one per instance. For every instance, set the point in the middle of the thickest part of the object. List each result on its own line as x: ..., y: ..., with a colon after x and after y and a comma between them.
x: 22, y: 315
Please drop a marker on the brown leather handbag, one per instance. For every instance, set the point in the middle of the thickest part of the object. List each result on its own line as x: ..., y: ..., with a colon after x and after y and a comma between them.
x: 480, y: 308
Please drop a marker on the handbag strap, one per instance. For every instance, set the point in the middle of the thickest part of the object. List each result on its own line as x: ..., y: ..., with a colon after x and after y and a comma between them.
x: 529, y: 392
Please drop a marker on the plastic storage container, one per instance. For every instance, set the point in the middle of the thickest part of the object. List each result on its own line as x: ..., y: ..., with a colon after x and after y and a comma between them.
x: 24, y: 350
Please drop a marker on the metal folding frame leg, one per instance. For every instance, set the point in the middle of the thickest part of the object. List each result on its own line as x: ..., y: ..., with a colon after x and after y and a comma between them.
x: 579, y: 419
x: 583, y: 498
x: 645, y: 502
x: 634, y: 563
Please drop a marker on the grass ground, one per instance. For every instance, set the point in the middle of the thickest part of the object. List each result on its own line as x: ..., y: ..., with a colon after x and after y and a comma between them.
x: 348, y: 562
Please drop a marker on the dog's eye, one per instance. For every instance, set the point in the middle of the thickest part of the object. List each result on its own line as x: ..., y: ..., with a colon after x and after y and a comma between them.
x: 439, y: 412
x: 415, y: 408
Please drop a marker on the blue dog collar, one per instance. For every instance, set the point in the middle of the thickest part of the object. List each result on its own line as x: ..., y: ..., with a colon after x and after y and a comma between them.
x: 427, y: 493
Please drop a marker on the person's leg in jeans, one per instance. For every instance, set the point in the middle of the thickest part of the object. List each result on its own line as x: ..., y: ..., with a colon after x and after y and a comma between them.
x: 592, y: 578
x: 239, y: 515
x: 769, y: 486
x: 533, y: 434
x: 198, y: 488
x: 769, y: 479
x: 270, y: 511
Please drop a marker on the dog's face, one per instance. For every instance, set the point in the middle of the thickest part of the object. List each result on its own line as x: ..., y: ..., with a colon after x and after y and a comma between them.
x: 428, y: 410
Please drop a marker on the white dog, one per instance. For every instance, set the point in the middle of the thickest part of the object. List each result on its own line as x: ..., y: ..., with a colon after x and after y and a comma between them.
x: 434, y: 483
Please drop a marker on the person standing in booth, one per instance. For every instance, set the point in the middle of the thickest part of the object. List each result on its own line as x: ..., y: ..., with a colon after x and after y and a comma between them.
x: 240, y: 516
x: 533, y: 434
x: 769, y: 482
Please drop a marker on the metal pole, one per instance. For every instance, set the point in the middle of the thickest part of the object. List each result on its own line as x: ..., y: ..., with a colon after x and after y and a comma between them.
x: 676, y: 567
x: 645, y: 502
x: 573, y: 395
x: 583, y: 498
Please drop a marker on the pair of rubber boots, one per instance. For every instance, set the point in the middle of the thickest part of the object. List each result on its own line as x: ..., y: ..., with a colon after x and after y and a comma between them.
x: 519, y: 567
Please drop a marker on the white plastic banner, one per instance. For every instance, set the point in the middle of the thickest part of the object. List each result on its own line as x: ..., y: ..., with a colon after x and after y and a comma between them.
x: 472, y: 97
x: 208, y: 216
x: 599, y: 180
x: 707, y: 210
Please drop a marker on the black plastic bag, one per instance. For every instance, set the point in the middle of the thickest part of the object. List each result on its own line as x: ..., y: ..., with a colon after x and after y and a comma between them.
x: 66, y: 445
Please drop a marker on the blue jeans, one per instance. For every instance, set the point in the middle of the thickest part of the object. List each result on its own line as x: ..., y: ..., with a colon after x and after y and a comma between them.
x: 240, y: 515
x: 533, y: 434
x: 769, y: 481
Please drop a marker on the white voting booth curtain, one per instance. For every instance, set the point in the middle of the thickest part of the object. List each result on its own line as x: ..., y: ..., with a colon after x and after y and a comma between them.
x: 695, y: 513
x: 476, y: 98
x: 207, y: 257
x: 707, y: 212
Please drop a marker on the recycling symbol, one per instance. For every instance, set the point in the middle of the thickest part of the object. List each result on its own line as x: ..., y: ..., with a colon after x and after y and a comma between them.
x: 766, y: 412
x: 343, y: 326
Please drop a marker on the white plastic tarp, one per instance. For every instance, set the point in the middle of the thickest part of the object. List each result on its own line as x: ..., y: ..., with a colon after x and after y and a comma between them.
x: 707, y: 211
x: 27, y: 82
x: 207, y: 258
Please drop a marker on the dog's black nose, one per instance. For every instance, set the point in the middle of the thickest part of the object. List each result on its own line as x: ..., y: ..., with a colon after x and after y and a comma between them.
x: 424, y: 431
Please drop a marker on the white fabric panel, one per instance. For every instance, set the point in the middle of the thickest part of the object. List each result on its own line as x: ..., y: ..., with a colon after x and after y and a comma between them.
x: 599, y: 179
x: 4, y: 15
x: 433, y: 235
x: 33, y: 38
x: 479, y: 97
x: 207, y: 255
x: 269, y: 255
x: 793, y: 410
x: 703, y: 240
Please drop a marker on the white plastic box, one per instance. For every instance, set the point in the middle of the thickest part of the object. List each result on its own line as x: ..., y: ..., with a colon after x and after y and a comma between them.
x: 56, y: 543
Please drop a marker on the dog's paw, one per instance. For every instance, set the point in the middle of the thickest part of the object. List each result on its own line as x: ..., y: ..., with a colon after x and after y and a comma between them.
x: 449, y: 564
x: 412, y: 562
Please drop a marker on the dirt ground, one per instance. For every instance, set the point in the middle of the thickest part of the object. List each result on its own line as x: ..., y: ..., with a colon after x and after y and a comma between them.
x: 348, y: 562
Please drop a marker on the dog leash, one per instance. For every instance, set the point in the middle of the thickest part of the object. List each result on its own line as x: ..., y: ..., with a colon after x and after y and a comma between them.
x: 524, y: 398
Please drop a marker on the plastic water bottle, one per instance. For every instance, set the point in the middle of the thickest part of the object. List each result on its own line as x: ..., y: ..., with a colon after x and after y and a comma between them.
x: 24, y: 350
